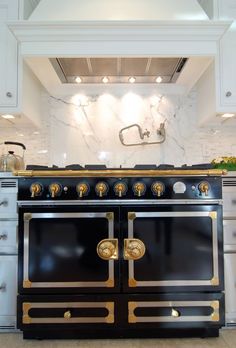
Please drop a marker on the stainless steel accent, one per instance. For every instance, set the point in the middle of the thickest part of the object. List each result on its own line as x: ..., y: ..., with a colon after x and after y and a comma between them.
x: 119, y: 69
x: 122, y: 202
x: 183, y: 282
x: 27, y: 282
x: 109, y: 319
x: 160, y: 132
x: 152, y: 319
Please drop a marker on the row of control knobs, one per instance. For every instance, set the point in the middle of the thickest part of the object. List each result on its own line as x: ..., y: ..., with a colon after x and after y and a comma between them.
x: 101, y: 189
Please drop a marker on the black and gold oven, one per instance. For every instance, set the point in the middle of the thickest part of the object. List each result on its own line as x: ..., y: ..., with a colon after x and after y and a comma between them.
x: 142, y: 265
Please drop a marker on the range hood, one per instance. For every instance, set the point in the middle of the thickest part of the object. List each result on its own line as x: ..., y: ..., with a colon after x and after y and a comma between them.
x: 122, y: 38
x: 118, y: 70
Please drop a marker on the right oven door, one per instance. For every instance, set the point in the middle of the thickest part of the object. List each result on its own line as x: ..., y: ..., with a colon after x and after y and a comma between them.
x: 172, y: 248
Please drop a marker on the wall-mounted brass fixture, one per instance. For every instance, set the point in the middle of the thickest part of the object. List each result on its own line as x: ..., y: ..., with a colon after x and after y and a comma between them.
x: 160, y: 132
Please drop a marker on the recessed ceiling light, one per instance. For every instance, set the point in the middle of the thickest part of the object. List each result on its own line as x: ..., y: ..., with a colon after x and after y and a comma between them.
x: 132, y: 79
x: 227, y: 115
x: 105, y: 79
x: 159, y: 79
x: 8, y: 116
x: 78, y: 79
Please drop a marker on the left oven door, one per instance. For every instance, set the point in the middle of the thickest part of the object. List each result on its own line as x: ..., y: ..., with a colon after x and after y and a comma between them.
x: 68, y: 249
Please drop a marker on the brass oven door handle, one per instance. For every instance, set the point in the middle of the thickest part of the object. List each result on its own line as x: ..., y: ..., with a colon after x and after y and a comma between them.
x: 107, y: 249
x: 134, y: 249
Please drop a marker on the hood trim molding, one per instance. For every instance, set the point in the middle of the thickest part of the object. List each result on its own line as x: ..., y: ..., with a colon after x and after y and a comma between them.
x: 120, y: 38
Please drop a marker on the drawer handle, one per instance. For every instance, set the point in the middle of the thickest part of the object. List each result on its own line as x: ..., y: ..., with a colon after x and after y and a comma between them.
x: 3, y: 236
x: 3, y: 287
x: 67, y: 315
x: 3, y: 203
x: 175, y: 313
x: 234, y: 234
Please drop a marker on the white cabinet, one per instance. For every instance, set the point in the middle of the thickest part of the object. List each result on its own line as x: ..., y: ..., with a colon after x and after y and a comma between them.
x: 8, y: 55
x: 226, y: 67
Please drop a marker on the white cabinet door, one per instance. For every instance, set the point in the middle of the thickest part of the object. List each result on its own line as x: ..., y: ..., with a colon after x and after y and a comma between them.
x: 225, y: 62
x: 228, y: 68
x: 8, y: 54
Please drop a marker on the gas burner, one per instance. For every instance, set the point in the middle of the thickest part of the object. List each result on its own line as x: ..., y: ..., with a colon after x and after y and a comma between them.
x: 74, y: 167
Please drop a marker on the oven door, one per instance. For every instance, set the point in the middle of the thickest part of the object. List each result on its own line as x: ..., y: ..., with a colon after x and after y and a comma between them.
x: 68, y: 249
x: 177, y: 247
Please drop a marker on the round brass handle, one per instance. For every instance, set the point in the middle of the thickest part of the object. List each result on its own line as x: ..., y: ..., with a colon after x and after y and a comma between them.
x: 67, y: 315
x: 175, y: 313
x: 134, y: 249
x: 108, y: 249
x: 35, y: 189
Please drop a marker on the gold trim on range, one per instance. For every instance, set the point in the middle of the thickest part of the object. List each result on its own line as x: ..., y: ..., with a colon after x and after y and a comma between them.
x: 119, y: 173
x: 134, y: 249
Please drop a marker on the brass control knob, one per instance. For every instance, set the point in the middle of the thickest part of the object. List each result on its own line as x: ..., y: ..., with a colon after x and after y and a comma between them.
x: 82, y: 189
x: 101, y: 188
x: 204, y: 187
x: 139, y: 188
x: 67, y: 315
x: 120, y: 189
x: 158, y: 188
x: 55, y: 189
x: 134, y: 249
x: 35, y: 189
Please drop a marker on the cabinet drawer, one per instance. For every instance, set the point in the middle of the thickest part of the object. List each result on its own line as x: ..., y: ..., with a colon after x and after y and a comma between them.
x: 230, y: 283
x: 229, y: 199
x: 8, y: 280
x: 8, y: 207
x: 229, y: 232
x: 67, y: 311
x: 8, y: 236
x: 176, y: 310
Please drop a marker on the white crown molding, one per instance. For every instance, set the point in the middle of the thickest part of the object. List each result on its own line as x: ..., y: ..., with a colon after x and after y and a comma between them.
x: 114, y: 37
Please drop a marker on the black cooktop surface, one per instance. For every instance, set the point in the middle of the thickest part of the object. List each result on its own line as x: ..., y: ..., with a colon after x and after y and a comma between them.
x: 103, y: 167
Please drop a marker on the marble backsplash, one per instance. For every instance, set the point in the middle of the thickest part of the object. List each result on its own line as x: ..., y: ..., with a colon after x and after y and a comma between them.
x: 85, y: 129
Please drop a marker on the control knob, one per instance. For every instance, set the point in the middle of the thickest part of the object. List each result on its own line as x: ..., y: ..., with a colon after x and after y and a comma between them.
x: 204, y: 187
x: 82, y: 189
x: 158, y: 188
x: 101, y: 188
x: 139, y: 188
x: 55, y: 189
x: 120, y: 189
x: 35, y: 189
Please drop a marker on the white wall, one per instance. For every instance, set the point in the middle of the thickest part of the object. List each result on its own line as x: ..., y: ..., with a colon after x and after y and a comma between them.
x: 84, y: 130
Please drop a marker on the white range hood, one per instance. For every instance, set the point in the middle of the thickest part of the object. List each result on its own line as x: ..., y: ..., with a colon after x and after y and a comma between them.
x: 73, y: 10
x: 111, y: 28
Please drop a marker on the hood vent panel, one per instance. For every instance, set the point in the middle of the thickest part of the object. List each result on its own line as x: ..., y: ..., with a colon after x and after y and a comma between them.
x: 118, y: 70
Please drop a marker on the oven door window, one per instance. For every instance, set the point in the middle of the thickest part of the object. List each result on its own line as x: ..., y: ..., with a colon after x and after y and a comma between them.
x: 66, y: 250
x: 179, y: 247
